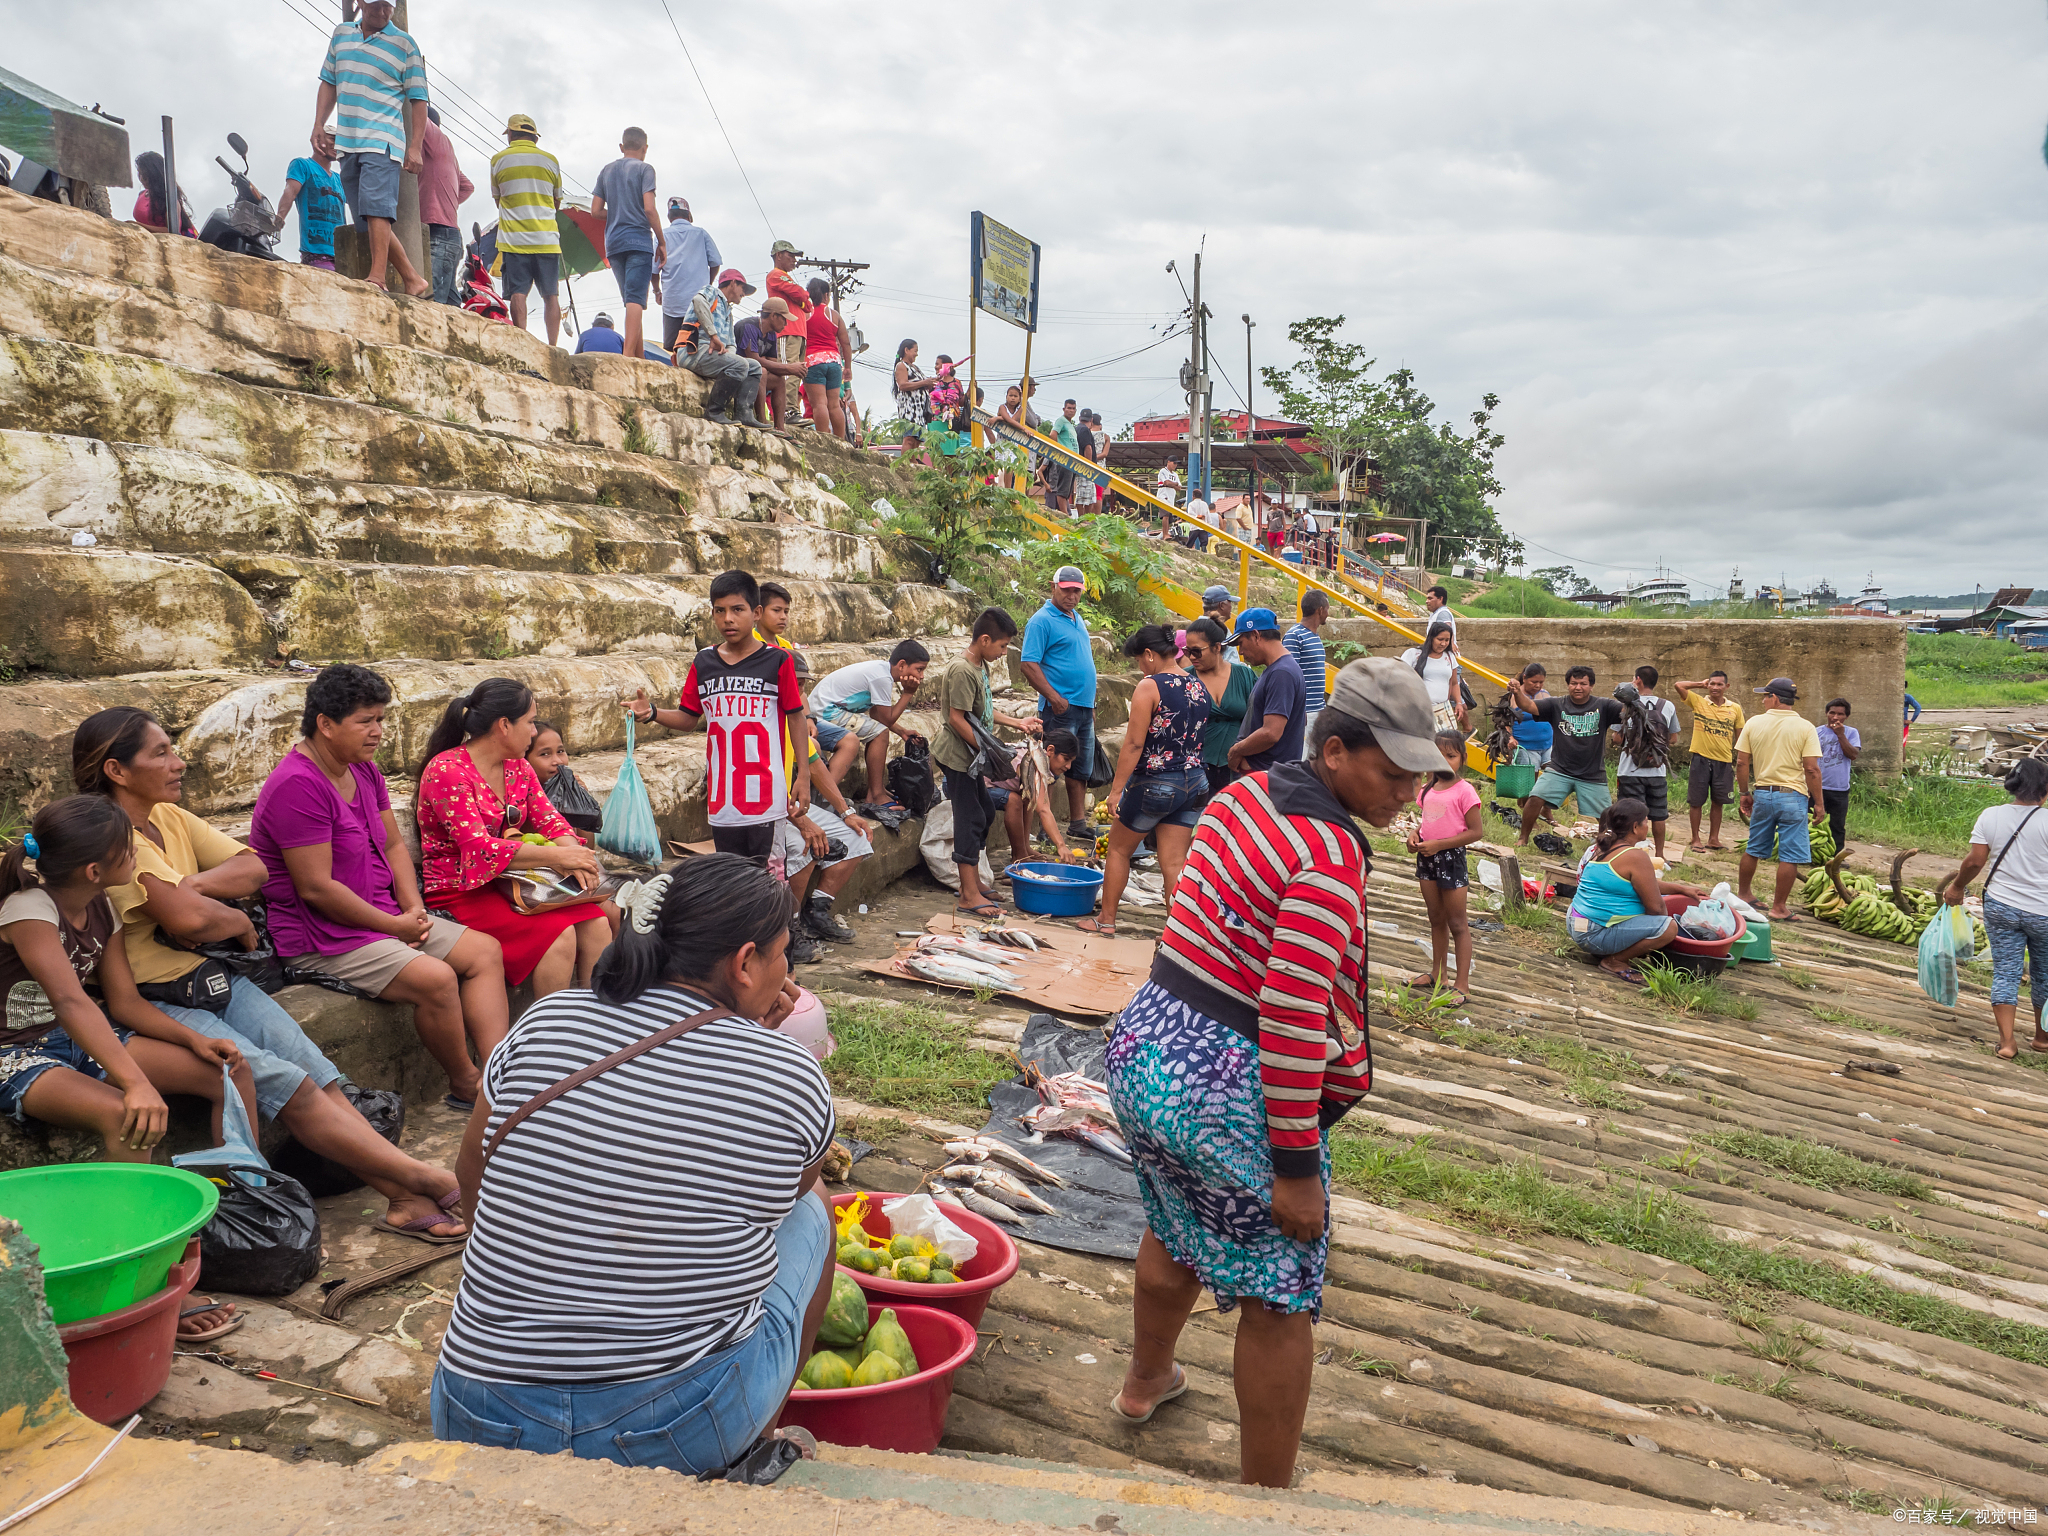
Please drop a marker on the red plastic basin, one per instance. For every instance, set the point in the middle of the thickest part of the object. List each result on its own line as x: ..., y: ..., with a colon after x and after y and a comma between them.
x: 1703, y: 949
x: 994, y: 1261
x: 121, y: 1360
x: 907, y: 1415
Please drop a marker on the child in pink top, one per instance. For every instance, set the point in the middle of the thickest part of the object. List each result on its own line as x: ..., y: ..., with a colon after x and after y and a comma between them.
x: 1450, y: 820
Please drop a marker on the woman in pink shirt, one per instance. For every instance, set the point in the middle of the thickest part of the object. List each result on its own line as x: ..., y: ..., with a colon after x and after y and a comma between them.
x: 1450, y: 820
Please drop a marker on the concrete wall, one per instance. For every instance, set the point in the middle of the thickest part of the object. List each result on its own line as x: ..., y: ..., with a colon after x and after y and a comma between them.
x: 1862, y: 660
x: 33, y: 1370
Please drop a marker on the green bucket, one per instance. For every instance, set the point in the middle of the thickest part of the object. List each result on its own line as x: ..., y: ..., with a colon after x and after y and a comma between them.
x: 109, y: 1232
x: 1756, y: 942
x: 1514, y: 781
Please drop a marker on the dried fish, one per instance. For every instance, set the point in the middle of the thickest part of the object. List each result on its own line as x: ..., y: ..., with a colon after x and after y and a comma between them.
x: 1001, y: 1184
x: 1011, y: 1158
x: 981, y: 1205
x: 967, y: 1151
x: 956, y: 971
x: 966, y: 1173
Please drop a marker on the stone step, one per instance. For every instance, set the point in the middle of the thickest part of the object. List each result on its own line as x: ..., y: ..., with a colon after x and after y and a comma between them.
x: 170, y: 500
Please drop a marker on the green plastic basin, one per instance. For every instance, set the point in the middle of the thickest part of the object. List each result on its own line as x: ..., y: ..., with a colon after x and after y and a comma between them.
x: 109, y: 1232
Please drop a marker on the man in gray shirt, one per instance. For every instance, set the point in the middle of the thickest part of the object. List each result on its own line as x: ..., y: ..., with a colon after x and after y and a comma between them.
x: 633, y: 245
x: 691, y: 251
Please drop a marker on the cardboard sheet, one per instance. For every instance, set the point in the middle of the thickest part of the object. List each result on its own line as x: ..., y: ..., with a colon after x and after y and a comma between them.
x: 1088, y: 974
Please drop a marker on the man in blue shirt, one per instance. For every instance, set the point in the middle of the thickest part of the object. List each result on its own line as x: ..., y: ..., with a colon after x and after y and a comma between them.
x: 1276, y: 720
x: 1059, y: 662
x: 690, y: 251
x: 634, y: 246
x: 1304, y: 643
x: 311, y: 183
x: 601, y: 337
x: 1840, y: 746
x: 374, y: 81
x: 734, y: 377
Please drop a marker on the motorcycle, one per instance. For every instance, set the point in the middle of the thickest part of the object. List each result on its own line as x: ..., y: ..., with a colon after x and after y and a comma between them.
x: 248, y: 226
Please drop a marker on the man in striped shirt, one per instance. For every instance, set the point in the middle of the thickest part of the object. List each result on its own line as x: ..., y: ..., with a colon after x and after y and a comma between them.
x: 1304, y: 643
x: 526, y: 184
x: 375, y: 81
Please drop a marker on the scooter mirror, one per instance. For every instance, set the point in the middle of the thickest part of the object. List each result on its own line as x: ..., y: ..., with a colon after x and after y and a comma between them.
x: 239, y: 145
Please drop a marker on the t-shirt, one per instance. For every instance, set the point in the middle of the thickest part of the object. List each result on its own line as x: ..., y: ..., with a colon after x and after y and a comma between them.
x: 854, y: 689
x: 1628, y: 768
x: 964, y: 685
x: 1306, y: 647
x: 623, y: 185
x: 1063, y: 432
x: 320, y: 205
x: 750, y: 340
x: 1279, y: 691
x: 190, y: 845
x: 1086, y: 436
x: 601, y: 338
x: 1443, y: 808
x: 627, y: 1229
x: 526, y: 183
x: 1443, y: 616
x: 299, y: 807
x: 1714, y: 726
x: 29, y: 1011
x: 1058, y: 644
x: 1834, y: 762
x: 691, y: 253
x: 2022, y: 879
x: 373, y: 77
x: 1778, y: 741
x: 781, y: 285
x: 1437, y: 673
x: 1578, y: 747
x: 743, y: 704
x: 788, y: 736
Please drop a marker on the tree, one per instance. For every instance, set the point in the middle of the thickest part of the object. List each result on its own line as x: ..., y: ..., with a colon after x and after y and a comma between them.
x: 1332, y: 390
x: 1561, y: 580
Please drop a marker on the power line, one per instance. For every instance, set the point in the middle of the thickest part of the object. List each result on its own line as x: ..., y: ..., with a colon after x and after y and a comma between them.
x: 716, y: 118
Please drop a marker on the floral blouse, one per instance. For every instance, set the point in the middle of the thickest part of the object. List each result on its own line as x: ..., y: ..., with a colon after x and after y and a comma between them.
x: 1173, y: 740
x: 468, y: 837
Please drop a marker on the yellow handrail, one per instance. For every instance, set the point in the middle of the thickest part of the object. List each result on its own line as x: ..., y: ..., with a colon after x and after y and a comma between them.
x: 1246, y: 553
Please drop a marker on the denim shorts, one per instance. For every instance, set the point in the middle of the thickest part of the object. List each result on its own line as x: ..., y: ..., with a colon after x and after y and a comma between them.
x: 520, y: 272
x: 1531, y: 757
x: 370, y: 183
x: 277, y: 1050
x: 1627, y: 933
x: 634, y: 270
x: 1778, y: 827
x: 698, y: 1419
x: 1164, y: 800
x: 21, y: 1065
x: 831, y: 375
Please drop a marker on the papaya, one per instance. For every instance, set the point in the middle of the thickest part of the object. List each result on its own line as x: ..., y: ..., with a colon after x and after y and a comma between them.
x: 902, y: 1248
x: 941, y: 1261
x: 917, y: 1270
x: 846, y: 1315
x: 851, y: 1354
x: 825, y: 1371
x: 866, y: 1260
x: 887, y: 1336
x: 944, y: 1277
x: 876, y: 1369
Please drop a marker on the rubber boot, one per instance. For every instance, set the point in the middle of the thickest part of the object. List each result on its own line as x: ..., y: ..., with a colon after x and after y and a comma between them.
x: 719, y: 399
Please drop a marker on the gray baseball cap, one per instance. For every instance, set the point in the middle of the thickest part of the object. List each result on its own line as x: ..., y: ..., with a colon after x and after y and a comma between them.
x: 1214, y: 595
x: 1388, y: 696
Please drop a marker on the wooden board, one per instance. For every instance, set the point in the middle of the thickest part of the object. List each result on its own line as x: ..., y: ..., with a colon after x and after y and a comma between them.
x: 1086, y: 974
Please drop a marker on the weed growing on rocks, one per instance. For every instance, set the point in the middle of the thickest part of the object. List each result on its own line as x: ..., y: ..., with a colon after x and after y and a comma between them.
x: 1808, y: 1162
x: 911, y: 1058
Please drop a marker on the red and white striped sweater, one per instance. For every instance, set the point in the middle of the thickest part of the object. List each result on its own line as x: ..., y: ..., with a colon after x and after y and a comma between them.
x: 1267, y: 935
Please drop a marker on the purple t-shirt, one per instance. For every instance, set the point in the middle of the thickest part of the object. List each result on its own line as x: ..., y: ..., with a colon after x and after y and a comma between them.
x: 298, y: 807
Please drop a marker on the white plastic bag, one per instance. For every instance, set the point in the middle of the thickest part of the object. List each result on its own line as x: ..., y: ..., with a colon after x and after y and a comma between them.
x: 1709, y: 919
x: 920, y: 1216
x: 1725, y: 893
x: 936, y: 844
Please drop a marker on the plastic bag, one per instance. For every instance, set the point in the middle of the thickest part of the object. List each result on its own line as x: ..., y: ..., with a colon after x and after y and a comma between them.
x: 1725, y: 894
x: 628, y: 828
x: 1965, y: 935
x: 910, y: 778
x: 920, y: 1216
x: 1938, y: 977
x: 935, y: 842
x: 382, y: 1107
x: 265, y: 1238
x: 238, y: 1136
x: 1709, y: 919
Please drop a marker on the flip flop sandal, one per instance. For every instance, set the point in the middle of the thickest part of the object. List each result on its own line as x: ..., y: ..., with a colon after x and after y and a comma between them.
x: 465, y: 1105
x: 986, y: 909
x: 219, y: 1330
x: 419, y: 1225
x: 1180, y: 1386
x: 1096, y: 925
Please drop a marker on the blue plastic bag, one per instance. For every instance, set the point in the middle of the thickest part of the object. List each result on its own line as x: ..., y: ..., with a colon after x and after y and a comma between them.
x: 238, y: 1144
x: 628, y: 826
x: 1938, y: 977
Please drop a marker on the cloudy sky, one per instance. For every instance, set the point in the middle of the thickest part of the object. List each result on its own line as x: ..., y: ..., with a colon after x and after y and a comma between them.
x: 1758, y: 285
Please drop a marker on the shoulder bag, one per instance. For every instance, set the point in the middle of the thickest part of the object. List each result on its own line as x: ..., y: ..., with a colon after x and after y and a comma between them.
x: 583, y: 1075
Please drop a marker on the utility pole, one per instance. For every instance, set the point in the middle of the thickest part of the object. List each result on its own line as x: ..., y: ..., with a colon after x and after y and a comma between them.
x: 1200, y: 470
x: 1251, y: 418
x: 833, y: 268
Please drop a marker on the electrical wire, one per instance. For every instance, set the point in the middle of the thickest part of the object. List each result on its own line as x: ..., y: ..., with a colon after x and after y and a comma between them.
x: 717, y: 119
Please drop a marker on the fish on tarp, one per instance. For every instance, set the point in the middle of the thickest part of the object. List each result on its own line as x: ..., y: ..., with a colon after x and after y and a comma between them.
x: 1016, y: 938
x: 982, y: 1148
x: 951, y: 972
x: 1001, y: 1184
x: 946, y: 943
x: 968, y: 1200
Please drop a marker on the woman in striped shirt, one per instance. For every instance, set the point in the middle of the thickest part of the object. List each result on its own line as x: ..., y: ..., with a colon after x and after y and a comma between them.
x: 650, y: 1249
x: 1248, y: 1043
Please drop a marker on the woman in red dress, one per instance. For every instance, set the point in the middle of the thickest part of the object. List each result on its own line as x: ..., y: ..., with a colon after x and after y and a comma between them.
x: 477, y: 797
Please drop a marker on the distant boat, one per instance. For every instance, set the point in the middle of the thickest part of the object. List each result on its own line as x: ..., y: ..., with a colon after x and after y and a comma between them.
x: 1663, y: 592
x: 1872, y: 599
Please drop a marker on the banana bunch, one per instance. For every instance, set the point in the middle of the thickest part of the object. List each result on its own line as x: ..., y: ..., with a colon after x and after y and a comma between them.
x: 1822, y: 838
x: 1877, y: 918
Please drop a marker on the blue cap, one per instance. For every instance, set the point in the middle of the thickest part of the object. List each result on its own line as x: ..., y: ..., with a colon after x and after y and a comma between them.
x: 1254, y: 618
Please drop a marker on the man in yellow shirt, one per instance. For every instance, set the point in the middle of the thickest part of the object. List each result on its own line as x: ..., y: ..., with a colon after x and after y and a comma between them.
x: 1777, y: 763
x: 1715, y: 725
x: 526, y: 184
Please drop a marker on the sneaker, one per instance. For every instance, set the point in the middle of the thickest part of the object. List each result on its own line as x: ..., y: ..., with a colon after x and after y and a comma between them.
x: 821, y: 922
x: 803, y: 949
x: 1080, y: 832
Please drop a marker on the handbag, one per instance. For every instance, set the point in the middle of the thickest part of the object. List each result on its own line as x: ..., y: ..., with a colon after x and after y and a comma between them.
x: 260, y: 965
x: 542, y: 890
x: 583, y: 1075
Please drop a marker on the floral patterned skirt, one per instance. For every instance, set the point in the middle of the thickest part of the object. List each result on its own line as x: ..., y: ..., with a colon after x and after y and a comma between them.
x: 1187, y: 1096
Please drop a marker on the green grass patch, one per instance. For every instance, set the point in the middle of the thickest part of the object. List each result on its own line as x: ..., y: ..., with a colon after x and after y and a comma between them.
x: 1529, y: 914
x: 1517, y: 1198
x: 1808, y: 1162
x: 911, y: 1057
x: 1970, y: 671
x: 1512, y: 597
x: 1685, y: 994
x: 1920, y: 808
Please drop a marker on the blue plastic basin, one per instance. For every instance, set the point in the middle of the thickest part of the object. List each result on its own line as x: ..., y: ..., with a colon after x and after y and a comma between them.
x: 1066, y: 891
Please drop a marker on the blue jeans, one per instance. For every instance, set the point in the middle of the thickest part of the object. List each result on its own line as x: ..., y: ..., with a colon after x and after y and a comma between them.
x: 634, y: 270
x: 277, y: 1050
x: 21, y: 1065
x: 1080, y: 720
x: 1625, y: 933
x: 2015, y: 932
x: 699, y: 1419
x: 444, y: 247
x: 1778, y: 827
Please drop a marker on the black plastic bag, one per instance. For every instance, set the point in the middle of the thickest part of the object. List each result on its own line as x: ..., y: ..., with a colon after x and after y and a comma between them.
x: 910, y: 778
x: 260, y: 965
x: 382, y: 1107
x: 765, y: 1461
x: 265, y: 1238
